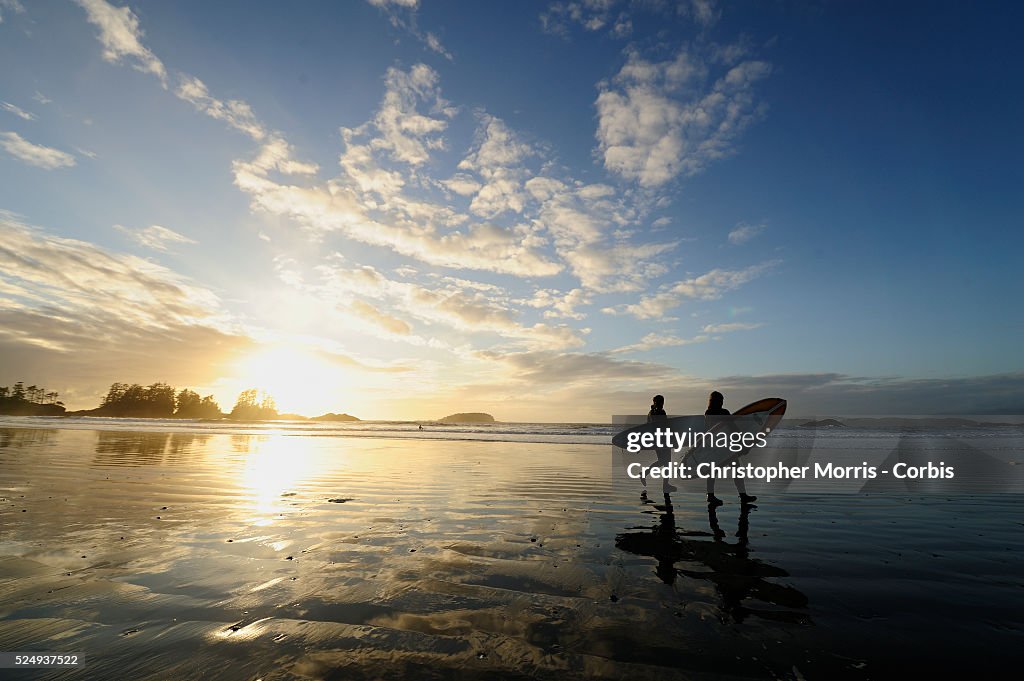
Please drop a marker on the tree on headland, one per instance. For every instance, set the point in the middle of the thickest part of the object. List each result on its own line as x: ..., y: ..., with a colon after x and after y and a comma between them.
x: 156, y: 401
x: 190, y: 406
x: 30, y: 401
x: 254, y: 405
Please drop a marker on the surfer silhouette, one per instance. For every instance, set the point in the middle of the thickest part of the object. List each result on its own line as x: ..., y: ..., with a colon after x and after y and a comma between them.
x: 716, y: 408
x: 658, y: 413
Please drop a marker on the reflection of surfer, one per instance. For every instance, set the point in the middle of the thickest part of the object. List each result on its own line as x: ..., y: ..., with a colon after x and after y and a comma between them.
x: 658, y: 413
x: 716, y: 407
x: 739, y: 579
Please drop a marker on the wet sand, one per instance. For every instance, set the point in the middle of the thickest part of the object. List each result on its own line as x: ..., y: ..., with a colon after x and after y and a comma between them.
x: 178, y: 556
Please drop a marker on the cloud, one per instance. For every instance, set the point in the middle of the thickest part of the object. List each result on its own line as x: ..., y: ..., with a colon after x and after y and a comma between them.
x: 155, y: 237
x: 19, y: 112
x: 559, y: 304
x: 588, y: 225
x: 708, y: 286
x: 659, y: 340
x: 497, y: 158
x: 402, y: 14
x: 578, y: 369
x: 454, y: 303
x: 744, y: 232
x: 41, y: 98
x: 34, y: 154
x: 383, y: 320
x: 704, y: 12
x: 77, y: 314
x: 13, y: 5
x: 839, y: 394
x: 68, y: 274
x: 659, y: 120
x: 731, y: 326
x: 615, y: 15
x: 235, y: 113
x: 667, y: 340
x: 368, y: 202
x: 403, y: 130
x: 591, y: 15
x: 121, y: 36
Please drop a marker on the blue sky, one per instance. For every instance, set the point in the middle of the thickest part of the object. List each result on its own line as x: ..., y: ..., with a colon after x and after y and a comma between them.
x: 546, y: 211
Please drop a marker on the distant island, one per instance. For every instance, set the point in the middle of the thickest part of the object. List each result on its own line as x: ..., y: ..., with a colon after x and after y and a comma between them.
x: 331, y: 416
x: 824, y: 423
x: 469, y: 417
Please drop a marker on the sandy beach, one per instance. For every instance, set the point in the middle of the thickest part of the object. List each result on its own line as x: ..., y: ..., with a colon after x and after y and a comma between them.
x: 188, y: 555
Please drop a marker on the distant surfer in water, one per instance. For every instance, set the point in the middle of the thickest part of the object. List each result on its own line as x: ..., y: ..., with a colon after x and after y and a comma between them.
x: 716, y: 407
x: 658, y: 413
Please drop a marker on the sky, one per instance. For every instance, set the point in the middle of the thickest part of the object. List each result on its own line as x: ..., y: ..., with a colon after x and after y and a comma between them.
x: 545, y: 211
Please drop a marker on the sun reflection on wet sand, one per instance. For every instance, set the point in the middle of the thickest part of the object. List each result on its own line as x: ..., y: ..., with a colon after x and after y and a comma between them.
x: 279, y: 556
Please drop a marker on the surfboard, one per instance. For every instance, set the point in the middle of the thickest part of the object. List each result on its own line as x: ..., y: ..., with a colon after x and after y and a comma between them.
x: 764, y: 415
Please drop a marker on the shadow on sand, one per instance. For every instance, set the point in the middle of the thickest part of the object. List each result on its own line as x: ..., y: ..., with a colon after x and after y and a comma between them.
x: 737, y: 577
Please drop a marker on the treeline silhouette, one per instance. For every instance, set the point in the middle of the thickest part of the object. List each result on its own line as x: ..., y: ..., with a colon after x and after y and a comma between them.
x: 31, y: 400
x: 157, y: 401
x: 254, y: 405
x: 162, y: 401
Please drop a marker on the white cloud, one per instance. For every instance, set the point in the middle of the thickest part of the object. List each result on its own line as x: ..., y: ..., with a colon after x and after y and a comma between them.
x: 615, y: 15
x: 41, y: 98
x: 587, y: 224
x: 731, y: 326
x: 497, y: 158
x: 34, y: 154
x: 402, y: 14
x: 367, y: 202
x: 591, y: 15
x: 411, y: 4
x: 709, y: 286
x: 744, y: 232
x: 387, y: 322
x: 406, y: 133
x: 235, y: 113
x: 660, y: 340
x: 17, y: 111
x: 704, y: 12
x: 13, y: 5
x: 121, y: 36
x: 577, y: 369
x: 155, y: 237
x: 659, y: 120
x: 462, y: 184
x: 559, y: 304
x: 454, y: 303
x: 434, y: 43
x: 668, y: 340
x: 75, y: 275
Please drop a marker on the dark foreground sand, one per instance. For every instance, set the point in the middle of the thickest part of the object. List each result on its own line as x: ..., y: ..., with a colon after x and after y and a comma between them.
x: 181, y: 556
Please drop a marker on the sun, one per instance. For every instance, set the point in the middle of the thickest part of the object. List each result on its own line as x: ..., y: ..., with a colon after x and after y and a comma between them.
x: 300, y: 381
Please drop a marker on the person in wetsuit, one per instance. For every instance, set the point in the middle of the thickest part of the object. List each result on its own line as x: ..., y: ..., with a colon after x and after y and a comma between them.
x: 716, y: 407
x: 658, y: 413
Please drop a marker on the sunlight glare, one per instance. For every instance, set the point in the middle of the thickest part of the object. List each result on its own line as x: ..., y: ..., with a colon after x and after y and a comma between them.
x: 298, y: 380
